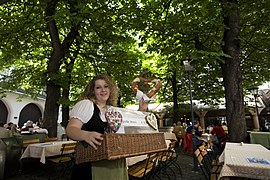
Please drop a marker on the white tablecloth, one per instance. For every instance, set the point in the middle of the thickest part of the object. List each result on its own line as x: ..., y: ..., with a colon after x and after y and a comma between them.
x: 235, y: 157
x: 43, y: 150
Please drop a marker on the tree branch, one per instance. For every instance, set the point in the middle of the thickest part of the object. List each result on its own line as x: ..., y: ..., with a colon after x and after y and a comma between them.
x: 4, y: 1
x: 51, y: 24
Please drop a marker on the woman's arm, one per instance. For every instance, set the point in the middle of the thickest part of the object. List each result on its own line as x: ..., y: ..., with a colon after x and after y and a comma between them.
x: 155, y: 89
x: 74, y: 132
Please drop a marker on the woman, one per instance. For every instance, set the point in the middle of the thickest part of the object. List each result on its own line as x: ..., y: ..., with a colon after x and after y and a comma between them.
x: 88, y: 123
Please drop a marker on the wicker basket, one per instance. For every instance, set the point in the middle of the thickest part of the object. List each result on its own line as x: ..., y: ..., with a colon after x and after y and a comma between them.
x: 115, y: 146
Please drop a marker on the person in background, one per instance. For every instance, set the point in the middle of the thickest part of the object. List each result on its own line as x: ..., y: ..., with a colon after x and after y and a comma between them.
x: 183, y: 133
x: 185, y: 126
x: 220, y: 134
x: 225, y: 127
x: 266, y: 126
x: 6, y: 126
x: 4, y: 132
x: 187, y: 142
x: 177, y: 130
x: 41, y: 122
x: 27, y: 126
x: 87, y: 123
x: 14, y: 129
x: 9, y: 125
x: 198, y: 129
x: 209, y: 128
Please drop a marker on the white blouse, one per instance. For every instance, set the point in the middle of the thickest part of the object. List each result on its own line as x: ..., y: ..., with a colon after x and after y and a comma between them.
x: 84, y: 110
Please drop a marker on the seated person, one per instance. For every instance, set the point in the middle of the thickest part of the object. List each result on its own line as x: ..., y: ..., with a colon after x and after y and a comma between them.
x: 219, y: 132
x: 198, y: 133
x: 4, y: 132
x: 27, y: 126
x: 188, y: 144
x: 14, y: 129
x: 31, y: 127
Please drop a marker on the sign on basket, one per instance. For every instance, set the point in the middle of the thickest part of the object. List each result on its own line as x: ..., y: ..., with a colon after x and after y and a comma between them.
x: 114, y: 119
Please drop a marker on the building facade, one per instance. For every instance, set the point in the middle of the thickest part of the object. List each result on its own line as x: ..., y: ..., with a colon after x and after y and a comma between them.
x: 20, y: 110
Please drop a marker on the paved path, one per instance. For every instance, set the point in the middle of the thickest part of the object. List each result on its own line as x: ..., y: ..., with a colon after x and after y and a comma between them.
x: 37, y: 171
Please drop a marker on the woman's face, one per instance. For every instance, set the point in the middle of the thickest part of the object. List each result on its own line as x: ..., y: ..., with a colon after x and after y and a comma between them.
x: 102, y: 91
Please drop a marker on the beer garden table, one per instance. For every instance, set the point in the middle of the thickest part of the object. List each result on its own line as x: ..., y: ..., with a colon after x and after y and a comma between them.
x: 43, y: 150
x: 245, y: 161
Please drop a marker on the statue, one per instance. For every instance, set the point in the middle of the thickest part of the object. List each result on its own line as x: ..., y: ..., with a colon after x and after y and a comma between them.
x: 145, y: 88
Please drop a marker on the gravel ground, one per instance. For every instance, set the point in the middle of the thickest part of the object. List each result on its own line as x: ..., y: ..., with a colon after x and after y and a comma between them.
x: 34, y: 170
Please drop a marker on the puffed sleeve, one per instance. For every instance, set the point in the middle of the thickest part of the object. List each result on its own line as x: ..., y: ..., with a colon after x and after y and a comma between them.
x: 82, y: 110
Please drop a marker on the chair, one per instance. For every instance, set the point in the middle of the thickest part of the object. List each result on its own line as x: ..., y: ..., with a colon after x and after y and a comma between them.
x: 66, y: 158
x: 144, y: 169
x: 26, y: 142
x: 24, y: 145
x: 168, y: 160
x: 51, y: 139
x: 173, y: 156
x: 210, y: 167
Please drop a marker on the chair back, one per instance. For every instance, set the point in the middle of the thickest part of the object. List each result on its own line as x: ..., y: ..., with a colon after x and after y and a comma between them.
x: 68, y: 148
x: 200, y: 154
x: 208, y: 166
x: 172, y: 145
x: 64, y: 137
x: 51, y: 139
x: 26, y: 142
x: 65, y: 160
x: 145, y: 168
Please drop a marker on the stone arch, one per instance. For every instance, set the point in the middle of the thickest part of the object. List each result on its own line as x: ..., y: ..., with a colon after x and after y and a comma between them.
x: 30, y: 112
x: 264, y: 114
x: 213, y: 114
x: 3, y: 112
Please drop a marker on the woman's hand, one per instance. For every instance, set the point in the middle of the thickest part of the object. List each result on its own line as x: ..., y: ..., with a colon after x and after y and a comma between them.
x: 75, y: 132
x: 93, y: 138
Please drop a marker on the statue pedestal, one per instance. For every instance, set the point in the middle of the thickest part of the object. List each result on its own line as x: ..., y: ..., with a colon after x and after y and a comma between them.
x: 160, y: 116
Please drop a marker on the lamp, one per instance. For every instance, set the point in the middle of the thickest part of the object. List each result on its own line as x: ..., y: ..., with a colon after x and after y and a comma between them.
x: 189, y: 69
x: 187, y: 66
x: 255, y: 92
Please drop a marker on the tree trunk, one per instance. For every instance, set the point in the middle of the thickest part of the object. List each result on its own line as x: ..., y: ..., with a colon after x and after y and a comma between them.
x: 58, y: 54
x: 175, y: 101
x: 65, y: 108
x: 232, y: 74
x: 65, y: 92
x: 51, y: 109
x: 52, y: 88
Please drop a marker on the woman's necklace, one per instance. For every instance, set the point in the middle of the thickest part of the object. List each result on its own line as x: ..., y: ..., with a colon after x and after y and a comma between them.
x: 102, y: 108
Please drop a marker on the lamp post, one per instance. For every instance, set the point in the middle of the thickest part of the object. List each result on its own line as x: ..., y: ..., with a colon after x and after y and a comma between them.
x: 189, y: 69
x: 254, y: 91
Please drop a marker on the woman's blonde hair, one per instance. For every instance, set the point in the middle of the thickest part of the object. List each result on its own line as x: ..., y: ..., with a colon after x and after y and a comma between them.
x: 90, y: 94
